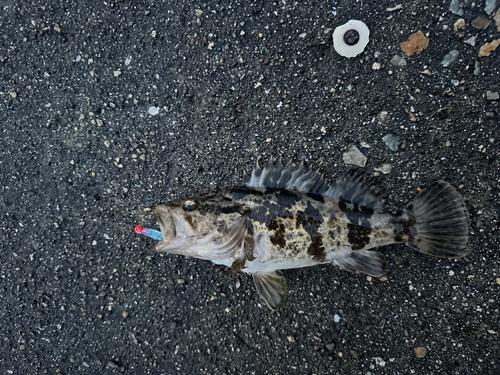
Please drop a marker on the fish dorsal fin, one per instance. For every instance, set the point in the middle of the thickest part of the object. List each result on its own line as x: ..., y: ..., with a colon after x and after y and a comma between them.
x: 357, y: 187
x: 278, y: 176
x: 271, y: 287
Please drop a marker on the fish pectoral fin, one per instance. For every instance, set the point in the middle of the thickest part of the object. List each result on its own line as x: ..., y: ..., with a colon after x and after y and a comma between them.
x: 227, y: 246
x: 366, y: 261
x: 271, y: 287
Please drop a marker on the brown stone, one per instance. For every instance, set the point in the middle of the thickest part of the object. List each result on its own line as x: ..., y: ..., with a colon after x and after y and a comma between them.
x: 415, y: 44
x: 420, y: 351
x: 487, y: 48
x: 481, y: 23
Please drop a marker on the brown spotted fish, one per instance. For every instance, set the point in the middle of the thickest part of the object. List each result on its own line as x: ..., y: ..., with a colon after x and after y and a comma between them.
x: 287, y: 216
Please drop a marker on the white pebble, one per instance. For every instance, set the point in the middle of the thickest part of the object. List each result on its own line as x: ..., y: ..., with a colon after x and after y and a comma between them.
x: 153, y: 110
x: 354, y: 156
x: 128, y: 60
x: 336, y: 318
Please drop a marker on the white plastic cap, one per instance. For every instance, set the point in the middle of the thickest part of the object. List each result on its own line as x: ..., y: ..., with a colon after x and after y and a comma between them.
x: 351, y: 38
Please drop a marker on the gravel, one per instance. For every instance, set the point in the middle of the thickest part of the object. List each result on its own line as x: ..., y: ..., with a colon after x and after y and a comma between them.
x: 73, y: 301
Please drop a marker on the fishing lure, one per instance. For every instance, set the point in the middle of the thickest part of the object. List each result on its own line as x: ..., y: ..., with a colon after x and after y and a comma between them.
x: 151, y: 233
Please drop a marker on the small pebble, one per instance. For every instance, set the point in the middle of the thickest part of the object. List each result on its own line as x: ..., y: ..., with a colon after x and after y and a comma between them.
x: 354, y: 156
x: 382, y: 116
x: 489, y: 6
x: 487, y: 48
x: 498, y: 280
x: 117, y: 73
x: 153, y: 110
x: 112, y: 364
x: 336, y: 318
x: 379, y: 361
x: 330, y: 346
x: 392, y: 141
x: 420, y: 352
x: 451, y: 273
x: 398, y: 61
x: 107, y: 143
x: 459, y: 26
x: 444, y: 113
x: 125, y: 314
x: 397, y: 7
x: 455, y: 8
x: 471, y: 40
x: 496, y: 17
x: 450, y: 58
x: 492, y: 95
x: 376, y: 66
x: 477, y: 68
x: 384, y: 168
x: 481, y: 23
x: 290, y: 338
x: 128, y: 59
x: 180, y: 281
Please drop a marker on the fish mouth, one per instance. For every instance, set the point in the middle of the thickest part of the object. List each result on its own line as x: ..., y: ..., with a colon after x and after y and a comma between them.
x: 167, y: 227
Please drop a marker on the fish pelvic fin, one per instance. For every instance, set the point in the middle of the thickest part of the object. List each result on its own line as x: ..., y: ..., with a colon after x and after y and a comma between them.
x: 365, y: 261
x: 271, y: 287
x: 438, y: 222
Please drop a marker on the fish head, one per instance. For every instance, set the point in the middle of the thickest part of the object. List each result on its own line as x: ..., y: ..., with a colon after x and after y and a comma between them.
x: 209, y: 227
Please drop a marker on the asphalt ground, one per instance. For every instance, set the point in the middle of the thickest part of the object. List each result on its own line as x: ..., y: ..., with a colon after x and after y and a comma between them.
x: 82, y: 160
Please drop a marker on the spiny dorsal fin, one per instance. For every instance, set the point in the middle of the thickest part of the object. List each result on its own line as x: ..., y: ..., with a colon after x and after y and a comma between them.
x: 278, y: 176
x: 359, y: 188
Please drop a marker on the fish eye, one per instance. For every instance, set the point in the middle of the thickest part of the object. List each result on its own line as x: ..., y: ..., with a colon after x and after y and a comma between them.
x: 189, y: 205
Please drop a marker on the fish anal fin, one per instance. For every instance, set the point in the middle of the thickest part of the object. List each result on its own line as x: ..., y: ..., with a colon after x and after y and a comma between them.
x: 271, y: 287
x: 357, y: 187
x: 365, y: 261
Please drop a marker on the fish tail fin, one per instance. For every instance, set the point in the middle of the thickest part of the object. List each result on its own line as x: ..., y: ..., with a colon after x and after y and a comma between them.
x: 438, y: 222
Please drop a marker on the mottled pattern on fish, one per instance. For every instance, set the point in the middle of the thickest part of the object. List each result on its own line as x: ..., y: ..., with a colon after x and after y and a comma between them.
x: 292, y: 229
x: 287, y: 217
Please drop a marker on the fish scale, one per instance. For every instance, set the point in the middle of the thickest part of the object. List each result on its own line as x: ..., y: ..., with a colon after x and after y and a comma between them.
x: 287, y: 216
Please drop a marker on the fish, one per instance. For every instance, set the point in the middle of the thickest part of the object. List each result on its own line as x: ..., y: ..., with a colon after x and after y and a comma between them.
x: 287, y: 216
